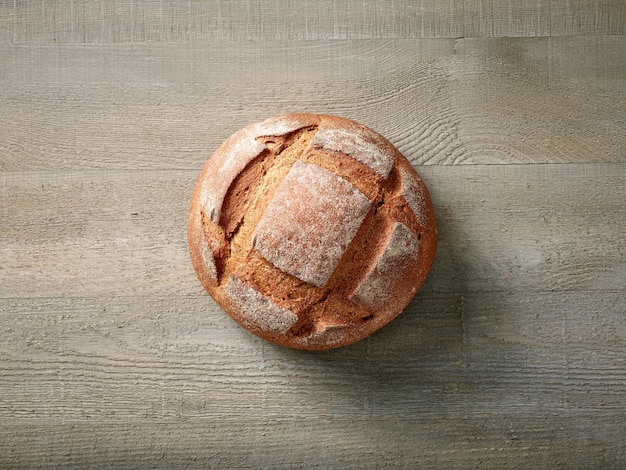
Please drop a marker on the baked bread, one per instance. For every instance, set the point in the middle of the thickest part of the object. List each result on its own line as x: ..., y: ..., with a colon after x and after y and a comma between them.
x: 311, y: 231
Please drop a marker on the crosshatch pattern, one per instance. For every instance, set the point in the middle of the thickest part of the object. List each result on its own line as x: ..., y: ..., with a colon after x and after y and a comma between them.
x: 311, y: 231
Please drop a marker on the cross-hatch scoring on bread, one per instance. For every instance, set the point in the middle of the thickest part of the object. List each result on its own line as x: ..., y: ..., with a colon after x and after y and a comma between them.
x: 311, y: 231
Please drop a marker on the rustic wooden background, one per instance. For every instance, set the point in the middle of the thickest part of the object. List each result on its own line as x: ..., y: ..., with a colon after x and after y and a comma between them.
x: 512, y: 355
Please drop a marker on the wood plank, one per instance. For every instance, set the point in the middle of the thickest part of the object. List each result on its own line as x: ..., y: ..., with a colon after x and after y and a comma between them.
x: 512, y: 355
x: 477, y: 354
x: 440, y: 101
x: 137, y: 381
x: 502, y: 228
x: 87, y: 21
x: 580, y: 440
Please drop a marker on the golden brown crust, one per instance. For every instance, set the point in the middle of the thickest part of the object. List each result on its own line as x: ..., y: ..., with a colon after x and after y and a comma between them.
x: 311, y: 231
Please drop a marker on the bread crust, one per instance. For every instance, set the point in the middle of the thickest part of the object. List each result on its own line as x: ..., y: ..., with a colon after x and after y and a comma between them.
x: 311, y: 231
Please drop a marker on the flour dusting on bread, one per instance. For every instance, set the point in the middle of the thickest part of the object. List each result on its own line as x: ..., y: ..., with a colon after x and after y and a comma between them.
x: 400, y: 256
x: 257, y: 309
x: 358, y: 142
x: 226, y: 163
x: 413, y: 191
x: 309, y: 223
x: 281, y: 125
x: 302, y: 229
x: 207, y: 258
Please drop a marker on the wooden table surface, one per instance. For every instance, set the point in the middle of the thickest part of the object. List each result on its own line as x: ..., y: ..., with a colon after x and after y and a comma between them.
x: 513, y: 354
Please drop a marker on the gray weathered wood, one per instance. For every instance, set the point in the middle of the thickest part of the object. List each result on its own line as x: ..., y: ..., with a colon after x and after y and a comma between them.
x: 101, y: 21
x: 473, y: 354
x: 482, y: 442
x: 456, y: 380
x: 502, y: 228
x: 513, y: 352
x: 440, y: 101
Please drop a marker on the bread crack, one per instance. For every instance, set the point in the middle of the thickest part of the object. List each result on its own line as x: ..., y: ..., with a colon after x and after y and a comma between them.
x: 253, y: 189
x: 311, y: 231
x: 330, y: 312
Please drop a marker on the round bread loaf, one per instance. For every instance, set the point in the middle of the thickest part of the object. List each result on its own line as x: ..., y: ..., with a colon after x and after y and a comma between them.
x: 311, y: 231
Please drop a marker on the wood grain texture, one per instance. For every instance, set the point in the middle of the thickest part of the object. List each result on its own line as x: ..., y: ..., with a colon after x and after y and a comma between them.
x: 512, y: 353
x: 456, y: 380
x: 439, y: 101
x: 124, y: 233
x: 353, y: 444
x: 101, y: 21
x: 472, y: 354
